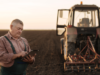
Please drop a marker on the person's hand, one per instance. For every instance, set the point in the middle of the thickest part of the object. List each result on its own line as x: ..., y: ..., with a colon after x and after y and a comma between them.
x: 29, y: 59
x: 21, y: 54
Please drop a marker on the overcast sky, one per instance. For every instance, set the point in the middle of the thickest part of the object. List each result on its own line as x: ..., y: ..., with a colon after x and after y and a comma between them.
x: 36, y: 14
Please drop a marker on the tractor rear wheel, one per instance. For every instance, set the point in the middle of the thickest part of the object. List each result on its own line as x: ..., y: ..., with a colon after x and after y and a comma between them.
x: 71, y: 48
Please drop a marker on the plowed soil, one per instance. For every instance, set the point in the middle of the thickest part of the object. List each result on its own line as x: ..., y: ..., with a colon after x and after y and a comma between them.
x: 48, y: 60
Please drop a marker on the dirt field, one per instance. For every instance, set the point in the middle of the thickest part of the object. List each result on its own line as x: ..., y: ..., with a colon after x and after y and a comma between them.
x: 48, y: 60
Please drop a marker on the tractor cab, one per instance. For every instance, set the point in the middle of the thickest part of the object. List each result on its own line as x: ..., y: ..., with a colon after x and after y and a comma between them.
x: 82, y: 17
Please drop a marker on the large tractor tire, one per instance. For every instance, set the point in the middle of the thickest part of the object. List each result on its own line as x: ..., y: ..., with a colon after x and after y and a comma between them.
x: 71, y: 48
x: 98, y: 46
x: 62, y: 46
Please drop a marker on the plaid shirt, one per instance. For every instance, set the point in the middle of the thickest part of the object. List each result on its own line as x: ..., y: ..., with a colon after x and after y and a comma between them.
x: 6, y: 52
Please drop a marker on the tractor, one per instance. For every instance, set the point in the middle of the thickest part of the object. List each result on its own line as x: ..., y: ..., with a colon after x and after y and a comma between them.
x: 79, y: 27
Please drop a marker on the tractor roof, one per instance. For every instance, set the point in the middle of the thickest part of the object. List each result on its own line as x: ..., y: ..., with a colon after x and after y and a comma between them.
x: 84, y: 6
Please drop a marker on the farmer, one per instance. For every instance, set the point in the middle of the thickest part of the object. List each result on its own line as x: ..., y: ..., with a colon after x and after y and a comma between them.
x: 12, y: 49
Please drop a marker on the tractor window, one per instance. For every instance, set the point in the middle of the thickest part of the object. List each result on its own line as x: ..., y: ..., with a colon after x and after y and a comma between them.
x: 60, y: 31
x: 86, y: 18
x: 63, y: 17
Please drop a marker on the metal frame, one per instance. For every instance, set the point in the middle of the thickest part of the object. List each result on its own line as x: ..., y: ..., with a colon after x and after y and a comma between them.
x: 76, y: 60
x: 60, y: 26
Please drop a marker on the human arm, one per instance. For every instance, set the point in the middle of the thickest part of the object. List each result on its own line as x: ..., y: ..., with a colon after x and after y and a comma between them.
x: 5, y: 56
x: 6, y: 53
x: 21, y: 54
x: 29, y: 59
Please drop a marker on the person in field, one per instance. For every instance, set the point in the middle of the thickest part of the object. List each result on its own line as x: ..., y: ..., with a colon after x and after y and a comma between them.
x: 12, y: 48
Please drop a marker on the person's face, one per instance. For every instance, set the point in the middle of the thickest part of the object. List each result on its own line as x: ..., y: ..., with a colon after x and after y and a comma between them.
x: 16, y: 30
